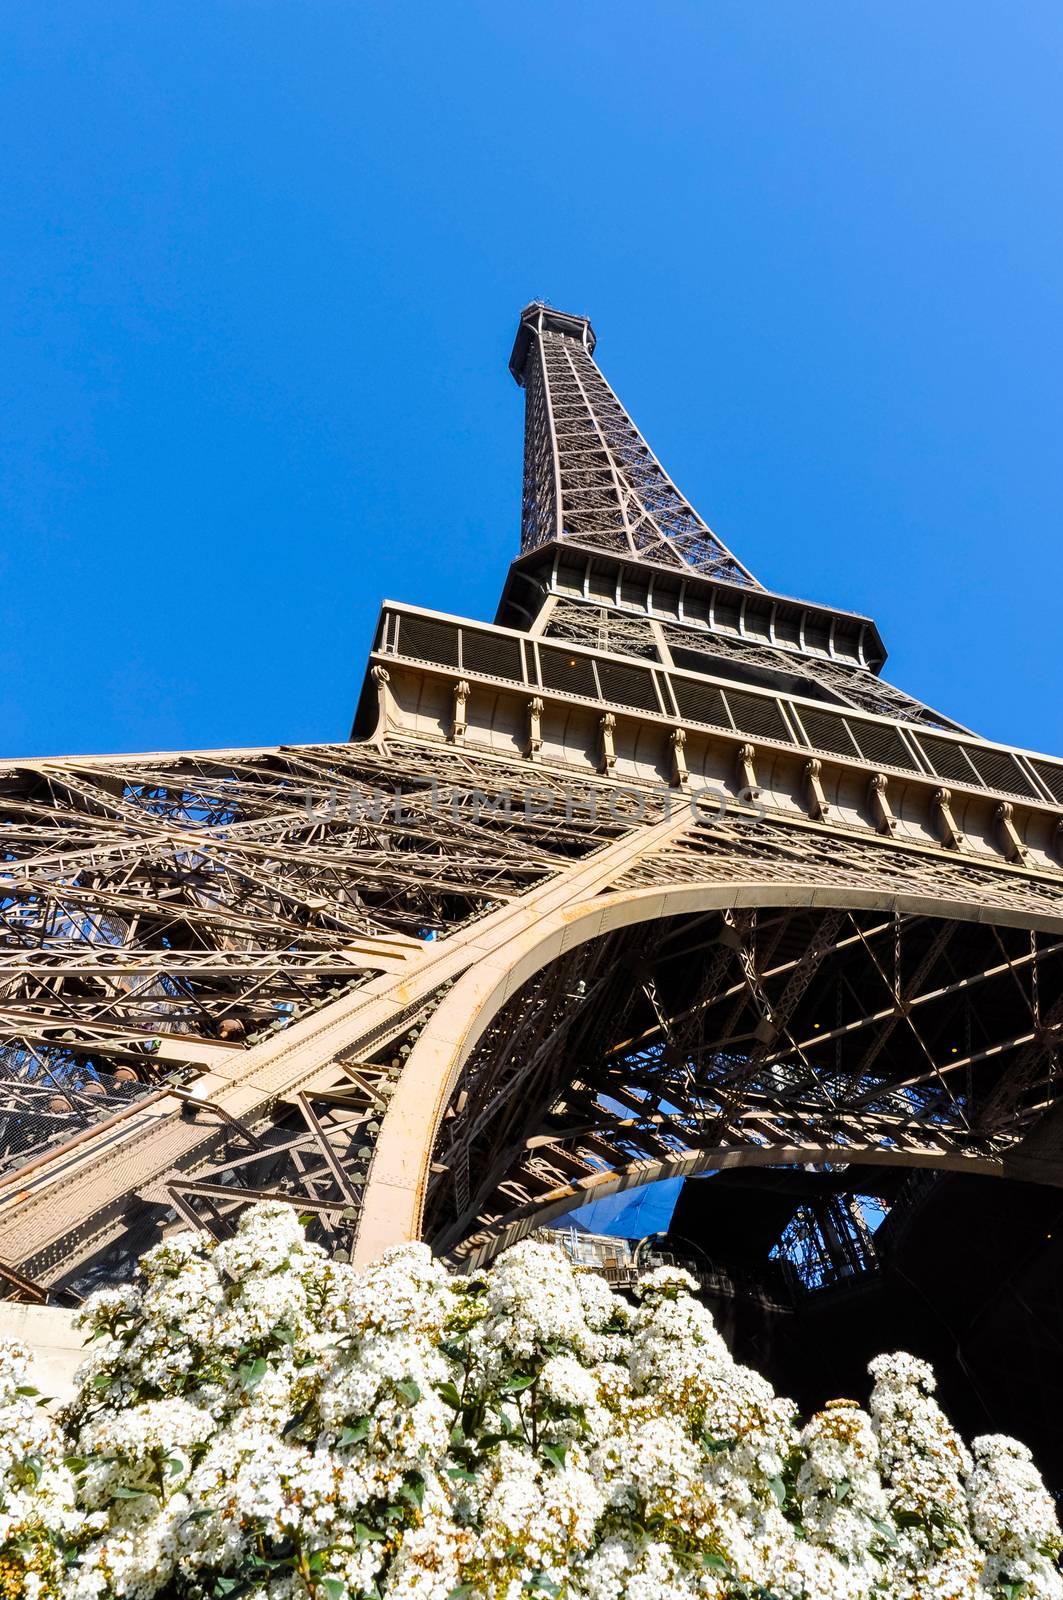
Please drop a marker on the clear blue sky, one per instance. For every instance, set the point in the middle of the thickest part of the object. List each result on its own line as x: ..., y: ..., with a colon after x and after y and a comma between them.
x: 261, y: 265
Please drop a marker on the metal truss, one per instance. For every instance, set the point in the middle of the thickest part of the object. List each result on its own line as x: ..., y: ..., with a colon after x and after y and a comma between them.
x: 315, y: 1157
x: 775, y: 1032
x: 827, y: 1242
x: 771, y: 850
x: 851, y: 685
x: 360, y: 978
x: 600, y: 627
x: 161, y: 915
x: 589, y: 476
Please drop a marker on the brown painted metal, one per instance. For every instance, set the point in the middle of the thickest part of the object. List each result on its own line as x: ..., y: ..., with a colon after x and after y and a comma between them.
x: 673, y: 876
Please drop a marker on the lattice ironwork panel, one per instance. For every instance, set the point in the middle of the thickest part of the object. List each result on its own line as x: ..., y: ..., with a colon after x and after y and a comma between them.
x: 866, y: 1034
x: 769, y: 851
x: 602, y: 628
x: 159, y: 914
x: 698, y: 649
x: 590, y: 477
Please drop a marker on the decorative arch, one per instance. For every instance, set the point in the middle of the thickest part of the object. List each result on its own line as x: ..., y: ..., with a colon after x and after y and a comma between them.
x: 398, y: 1178
x: 526, y: 1219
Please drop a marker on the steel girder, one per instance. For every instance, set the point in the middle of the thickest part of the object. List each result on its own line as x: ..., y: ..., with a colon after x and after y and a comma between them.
x: 603, y: 999
x: 590, y: 476
x: 358, y: 978
x: 868, y: 1036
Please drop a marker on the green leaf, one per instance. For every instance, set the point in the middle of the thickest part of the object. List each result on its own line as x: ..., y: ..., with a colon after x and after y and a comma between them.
x: 449, y: 1395
x: 29, y: 1469
x: 519, y: 1382
x: 413, y: 1492
x: 409, y: 1390
x: 363, y: 1534
x: 175, y: 1465
x: 295, y: 1422
x: 355, y: 1433
x: 251, y: 1373
x: 541, y: 1581
x: 555, y: 1453
x: 714, y: 1561
x: 283, y: 1334
x: 335, y: 1588
x: 884, y: 1528
x: 129, y: 1491
x: 463, y: 1473
x: 843, y: 1490
x: 472, y: 1418
x: 715, y: 1446
x: 27, y: 1389
x: 462, y: 1592
x: 75, y: 1463
x: 778, y: 1489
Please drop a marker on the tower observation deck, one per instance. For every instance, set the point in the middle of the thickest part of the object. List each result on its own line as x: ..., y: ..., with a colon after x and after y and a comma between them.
x: 654, y: 876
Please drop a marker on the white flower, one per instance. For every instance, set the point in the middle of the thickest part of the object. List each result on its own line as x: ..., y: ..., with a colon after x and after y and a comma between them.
x: 566, y: 1381
x: 1013, y: 1517
x: 601, y: 1307
x: 400, y: 1432
x: 921, y: 1457
x: 535, y: 1519
x: 666, y: 1283
x: 269, y: 1239
x: 843, y: 1504
x: 406, y: 1291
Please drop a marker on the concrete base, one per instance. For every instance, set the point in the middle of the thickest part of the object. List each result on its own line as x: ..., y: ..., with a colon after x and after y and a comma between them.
x: 56, y: 1347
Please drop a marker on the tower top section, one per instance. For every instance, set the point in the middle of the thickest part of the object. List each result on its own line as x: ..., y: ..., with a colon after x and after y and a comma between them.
x: 590, y: 478
x: 537, y: 319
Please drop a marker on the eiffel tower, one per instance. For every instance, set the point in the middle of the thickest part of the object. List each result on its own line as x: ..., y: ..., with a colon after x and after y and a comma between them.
x: 654, y: 876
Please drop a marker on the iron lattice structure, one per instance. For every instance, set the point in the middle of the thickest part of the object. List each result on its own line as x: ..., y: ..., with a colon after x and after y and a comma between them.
x: 654, y: 875
x: 589, y: 475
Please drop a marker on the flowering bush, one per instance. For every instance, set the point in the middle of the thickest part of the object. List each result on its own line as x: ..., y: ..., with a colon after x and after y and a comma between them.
x: 257, y: 1421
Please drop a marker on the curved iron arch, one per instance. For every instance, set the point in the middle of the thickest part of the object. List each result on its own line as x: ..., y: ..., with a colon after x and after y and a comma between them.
x: 395, y: 1193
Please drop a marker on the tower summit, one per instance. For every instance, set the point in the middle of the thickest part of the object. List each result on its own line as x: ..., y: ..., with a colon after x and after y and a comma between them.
x: 589, y: 476
x: 652, y: 877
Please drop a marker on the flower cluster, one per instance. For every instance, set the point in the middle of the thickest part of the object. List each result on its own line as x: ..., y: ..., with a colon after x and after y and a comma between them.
x: 256, y: 1421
